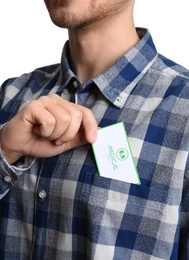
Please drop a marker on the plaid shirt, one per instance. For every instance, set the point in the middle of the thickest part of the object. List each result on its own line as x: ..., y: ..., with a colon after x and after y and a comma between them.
x: 60, y: 208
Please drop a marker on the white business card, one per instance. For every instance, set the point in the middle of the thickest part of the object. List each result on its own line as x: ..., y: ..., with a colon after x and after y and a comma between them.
x: 113, y: 154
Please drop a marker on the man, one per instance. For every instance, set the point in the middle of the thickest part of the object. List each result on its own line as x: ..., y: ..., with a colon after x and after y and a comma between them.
x: 54, y: 204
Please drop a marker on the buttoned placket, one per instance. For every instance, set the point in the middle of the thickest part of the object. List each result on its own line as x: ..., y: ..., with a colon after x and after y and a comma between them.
x: 8, y: 179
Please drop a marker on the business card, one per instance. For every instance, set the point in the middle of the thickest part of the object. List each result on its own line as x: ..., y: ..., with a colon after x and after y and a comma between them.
x: 113, y: 154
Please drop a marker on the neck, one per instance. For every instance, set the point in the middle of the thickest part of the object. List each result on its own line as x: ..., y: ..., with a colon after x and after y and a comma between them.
x: 97, y: 47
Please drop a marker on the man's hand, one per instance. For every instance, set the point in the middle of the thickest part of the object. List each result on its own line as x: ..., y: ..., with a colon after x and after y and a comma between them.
x: 47, y: 127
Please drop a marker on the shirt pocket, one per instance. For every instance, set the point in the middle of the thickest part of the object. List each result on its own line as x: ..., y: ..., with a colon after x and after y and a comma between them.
x: 118, y: 213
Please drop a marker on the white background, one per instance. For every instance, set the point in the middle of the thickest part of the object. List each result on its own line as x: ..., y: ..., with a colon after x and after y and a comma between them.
x: 28, y: 38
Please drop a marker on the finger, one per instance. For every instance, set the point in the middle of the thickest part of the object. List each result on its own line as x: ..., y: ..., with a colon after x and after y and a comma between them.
x: 78, y: 113
x: 73, y: 127
x: 62, y: 121
x: 89, y: 125
x: 80, y: 119
x: 67, y: 115
x: 39, y: 118
x: 78, y: 140
x: 61, y: 116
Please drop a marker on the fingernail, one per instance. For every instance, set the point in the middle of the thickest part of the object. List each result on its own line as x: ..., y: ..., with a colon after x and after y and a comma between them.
x: 94, y: 136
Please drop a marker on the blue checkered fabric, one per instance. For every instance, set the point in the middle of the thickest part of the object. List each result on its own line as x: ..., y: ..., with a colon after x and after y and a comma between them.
x: 60, y: 208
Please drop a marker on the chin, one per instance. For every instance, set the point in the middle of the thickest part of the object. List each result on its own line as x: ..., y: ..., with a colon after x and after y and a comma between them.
x: 68, y: 20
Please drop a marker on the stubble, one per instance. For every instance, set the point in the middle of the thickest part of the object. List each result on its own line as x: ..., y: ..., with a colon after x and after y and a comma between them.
x: 64, y: 14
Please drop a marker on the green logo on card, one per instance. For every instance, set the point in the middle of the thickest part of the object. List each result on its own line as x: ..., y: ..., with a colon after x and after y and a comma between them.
x: 122, y: 154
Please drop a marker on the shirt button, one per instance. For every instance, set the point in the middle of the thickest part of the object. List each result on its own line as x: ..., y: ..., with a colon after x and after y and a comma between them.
x: 42, y: 194
x: 65, y: 91
x: 75, y: 84
x: 7, y: 179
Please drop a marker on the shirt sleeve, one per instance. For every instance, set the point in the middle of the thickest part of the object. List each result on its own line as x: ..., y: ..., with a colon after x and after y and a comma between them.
x: 9, y: 174
x: 184, y: 220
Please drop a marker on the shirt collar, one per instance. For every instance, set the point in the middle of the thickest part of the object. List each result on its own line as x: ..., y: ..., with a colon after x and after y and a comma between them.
x: 118, y: 81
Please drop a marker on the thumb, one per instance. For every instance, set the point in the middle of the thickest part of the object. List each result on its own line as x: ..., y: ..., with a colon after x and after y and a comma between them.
x: 78, y: 140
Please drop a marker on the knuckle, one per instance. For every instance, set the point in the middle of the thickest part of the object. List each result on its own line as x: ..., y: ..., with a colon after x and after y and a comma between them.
x: 52, y: 96
x: 31, y: 105
x: 50, y: 121
x: 36, y: 104
x: 42, y: 98
x: 66, y: 118
x: 48, y: 99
